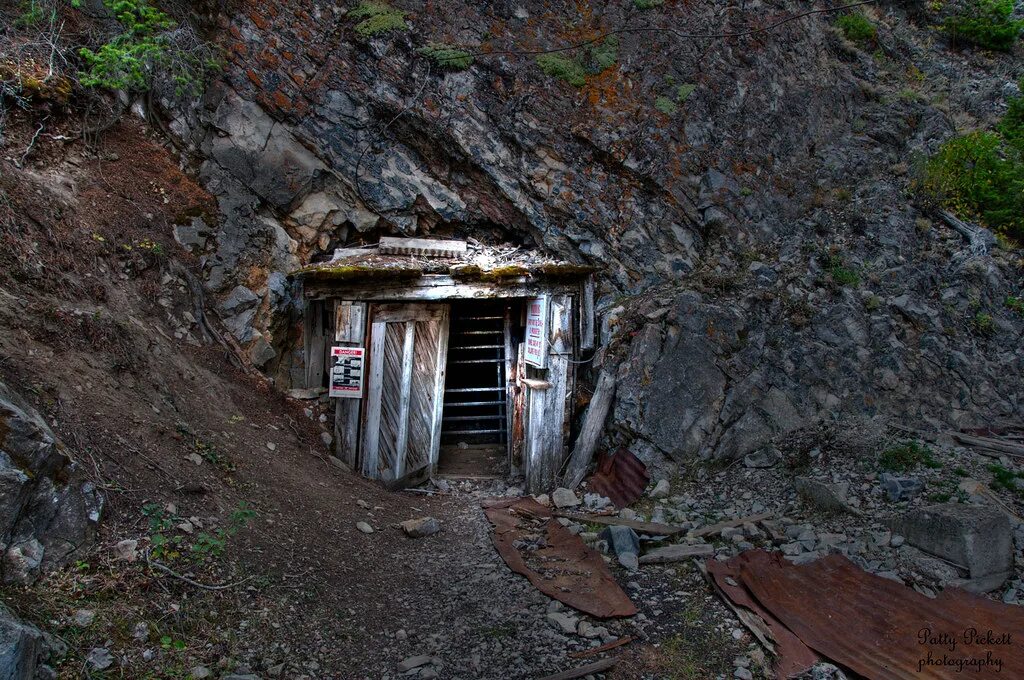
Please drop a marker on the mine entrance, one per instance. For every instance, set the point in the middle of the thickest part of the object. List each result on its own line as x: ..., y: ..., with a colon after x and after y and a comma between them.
x: 477, y: 415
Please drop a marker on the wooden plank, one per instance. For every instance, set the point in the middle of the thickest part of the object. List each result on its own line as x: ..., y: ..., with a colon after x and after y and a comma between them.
x: 586, y: 314
x: 434, y: 288
x: 554, y: 420
x: 314, y: 343
x: 624, y: 640
x: 408, y: 312
x: 349, y: 331
x: 715, y: 528
x: 990, y: 443
x: 593, y: 427
x: 404, y: 395
x: 350, y: 323
x: 425, y: 247
x: 440, y: 370
x: 560, y: 325
x: 583, y: 671
x: 648, y: 528
x: 371, y: 430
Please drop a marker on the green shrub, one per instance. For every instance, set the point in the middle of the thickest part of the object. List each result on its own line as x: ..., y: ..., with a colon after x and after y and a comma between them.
x: 564, y: 68
x: 1002, y: 478
x: 989, y: 24
x: 130, y: 60
x: 857, y: 28
x: 906, y: 456
x: 648, y: 4
x: 979, y: 176
x: 841, y: 274
x: 377, y: 18
x: 684, y: 91
x: 446, y: 56
x: 33, y: 12
x: 1015, y: 303
x: 983, y: 324
x: 1011, y: 127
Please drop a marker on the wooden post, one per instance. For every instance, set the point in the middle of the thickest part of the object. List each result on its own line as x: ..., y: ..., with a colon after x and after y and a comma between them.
x: 587, y: 314
x: 349, y: 331
x: 546, y: 405
x: 590, y: 435
x: 314, y: 343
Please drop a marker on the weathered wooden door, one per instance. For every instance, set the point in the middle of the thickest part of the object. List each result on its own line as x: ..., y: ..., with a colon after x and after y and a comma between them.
x: 408, y: 348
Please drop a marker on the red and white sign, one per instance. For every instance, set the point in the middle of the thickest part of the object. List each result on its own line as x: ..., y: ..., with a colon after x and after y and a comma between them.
x: 536, y: 351
x: 347, y: 372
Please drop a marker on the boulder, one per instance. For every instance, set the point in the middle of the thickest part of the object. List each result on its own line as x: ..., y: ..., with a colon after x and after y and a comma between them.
x: 764, y: 457
x: 26, y: 650
x: 48, y: 512
x: 974, y: 537
x: 823, y: 495
x: 564, y: 498
x: 418, y: 528
x: 900, y: 488
x: 661, y: 489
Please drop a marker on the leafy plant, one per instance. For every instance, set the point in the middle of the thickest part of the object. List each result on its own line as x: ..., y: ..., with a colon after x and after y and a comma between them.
x: 564, y: 68
x: 837, y: 269
x: 648, y: 4
x: 665, y: 105
x: 377, y: 18
x: 684, y: 91
x: 1003, y: 478
x: 906, y: 456
x: 130, y: 59
x: 605, y: 53
x: 447, y: 56
x: 989, y: 24
x: 983, y: 325
x: 981, y: 176
x: 857, y: 28
x: 34, y: 12
x: 213, y: 543
x: 1015, y: 303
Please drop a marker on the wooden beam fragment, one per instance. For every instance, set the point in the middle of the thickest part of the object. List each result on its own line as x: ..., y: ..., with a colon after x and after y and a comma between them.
x: 715, y: 528
x: 1005, y: 447
x: 590, y: 434
x: 583, y: 671
x: 648, y: 528
x: 624, y: 640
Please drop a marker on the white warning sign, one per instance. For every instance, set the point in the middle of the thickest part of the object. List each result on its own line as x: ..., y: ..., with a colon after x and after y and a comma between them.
x: 536, y: 352
x: 347, y: 372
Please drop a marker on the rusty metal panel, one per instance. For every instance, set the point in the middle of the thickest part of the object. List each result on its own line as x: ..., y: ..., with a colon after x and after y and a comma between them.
x: 881, y: 629
x: 621, y: 477
x: 792, y: 656
x: 556, y: 562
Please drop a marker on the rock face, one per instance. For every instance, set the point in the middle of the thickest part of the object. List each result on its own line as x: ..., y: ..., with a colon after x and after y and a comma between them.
x: 47, y: 511
x: 24, y: 649
x: 972, y: 536
x: 758, y: 224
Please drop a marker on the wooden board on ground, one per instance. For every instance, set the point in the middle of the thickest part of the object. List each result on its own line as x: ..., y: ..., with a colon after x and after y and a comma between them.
x: 715, y: 528
x: 648, y: 528
x: 583, y: 671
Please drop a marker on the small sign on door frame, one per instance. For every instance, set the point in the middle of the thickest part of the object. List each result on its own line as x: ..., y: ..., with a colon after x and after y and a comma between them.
x: 347, y: 372
x: 536, y: 350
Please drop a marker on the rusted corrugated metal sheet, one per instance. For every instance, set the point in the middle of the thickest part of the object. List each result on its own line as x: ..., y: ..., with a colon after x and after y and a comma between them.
x: 881, y: 629
x: 792, y: 656
x: 556, y: 562
x: 621, y: 477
